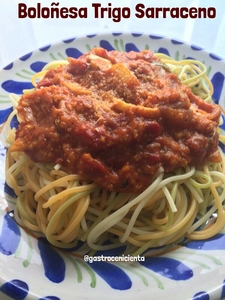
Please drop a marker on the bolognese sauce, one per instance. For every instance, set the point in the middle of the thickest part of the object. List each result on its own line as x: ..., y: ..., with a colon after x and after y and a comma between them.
x: 115, y: 118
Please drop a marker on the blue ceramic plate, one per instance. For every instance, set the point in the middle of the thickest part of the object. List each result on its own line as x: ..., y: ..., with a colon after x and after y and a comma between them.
x: 30, y: 269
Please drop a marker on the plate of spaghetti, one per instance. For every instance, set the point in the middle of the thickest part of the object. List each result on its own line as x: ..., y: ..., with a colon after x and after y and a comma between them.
x: 113, y: 170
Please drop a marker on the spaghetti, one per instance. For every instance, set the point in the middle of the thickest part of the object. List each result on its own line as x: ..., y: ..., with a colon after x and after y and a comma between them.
x: 68, y: 208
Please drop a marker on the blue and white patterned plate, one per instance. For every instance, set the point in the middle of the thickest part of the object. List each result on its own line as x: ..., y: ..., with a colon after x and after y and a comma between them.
x: 31, y: 269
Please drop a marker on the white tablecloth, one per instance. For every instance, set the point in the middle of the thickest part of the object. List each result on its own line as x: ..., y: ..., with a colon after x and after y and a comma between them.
x: 19, y: 36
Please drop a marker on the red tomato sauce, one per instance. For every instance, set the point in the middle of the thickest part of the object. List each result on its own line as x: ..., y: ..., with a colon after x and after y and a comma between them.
x: 116, y: 118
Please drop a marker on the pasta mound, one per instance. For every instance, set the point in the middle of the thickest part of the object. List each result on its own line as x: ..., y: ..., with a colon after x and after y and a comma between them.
x: 96, y: 131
